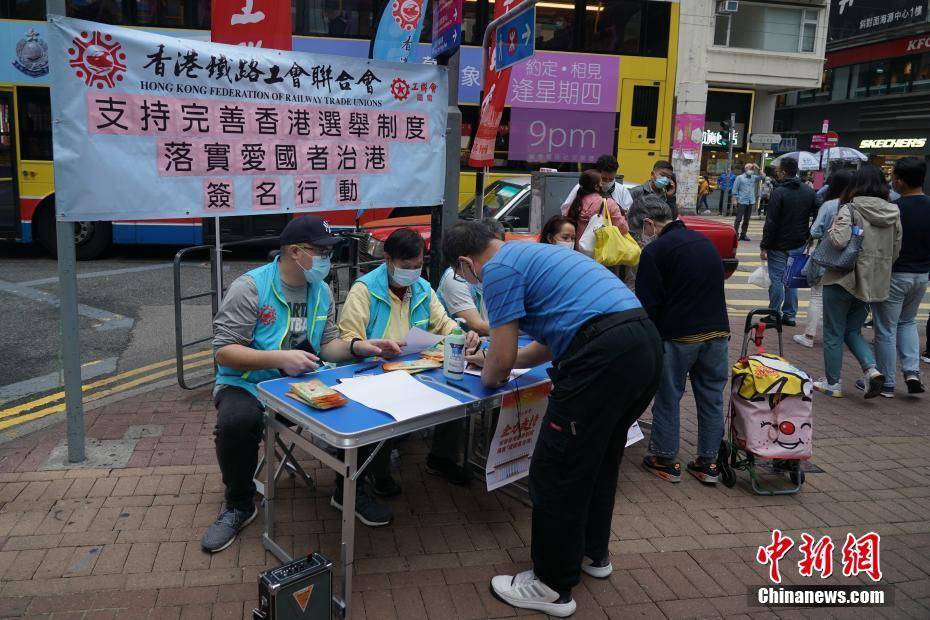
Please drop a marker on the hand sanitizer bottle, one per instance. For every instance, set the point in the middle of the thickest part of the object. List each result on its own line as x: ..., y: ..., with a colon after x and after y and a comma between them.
x: 453, y: 356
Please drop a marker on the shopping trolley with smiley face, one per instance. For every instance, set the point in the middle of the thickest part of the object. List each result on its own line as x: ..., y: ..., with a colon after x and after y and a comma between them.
x: 770, y: 413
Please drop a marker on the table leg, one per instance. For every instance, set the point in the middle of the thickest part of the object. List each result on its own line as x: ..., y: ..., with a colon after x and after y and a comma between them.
x: 348, y: 528
x: 270, y: 440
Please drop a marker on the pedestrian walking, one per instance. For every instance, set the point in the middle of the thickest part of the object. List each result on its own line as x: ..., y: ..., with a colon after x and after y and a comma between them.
x: 703, y: 191
x: 768, y: 184
x: 588, y: 202
x: 743, y: 199
x: 559, y: 230
x: 680, y: 284
x: 841, y: 181
x: 724, y: 182
x: 606, y: 360
x: 278, y: 319
x: 787, y: 225
x: 864, y: 212
x: 606, y: 166
x: 895, y: 319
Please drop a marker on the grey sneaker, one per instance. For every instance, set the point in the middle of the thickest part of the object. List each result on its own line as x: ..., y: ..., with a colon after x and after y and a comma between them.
x: 368, y: 510
x: 224, y: 530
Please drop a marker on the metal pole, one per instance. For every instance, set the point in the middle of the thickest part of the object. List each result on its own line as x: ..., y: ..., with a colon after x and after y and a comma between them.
x: 445, y: 217
x: 523, y: 7
x: 726, y: 199
x: 218, y: 261
x: 70, y: 328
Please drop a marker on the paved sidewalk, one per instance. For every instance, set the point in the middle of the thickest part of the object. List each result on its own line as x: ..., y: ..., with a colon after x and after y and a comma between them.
x: 124, y: 542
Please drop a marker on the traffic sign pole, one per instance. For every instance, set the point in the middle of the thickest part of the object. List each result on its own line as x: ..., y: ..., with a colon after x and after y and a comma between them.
x: 523, y: 7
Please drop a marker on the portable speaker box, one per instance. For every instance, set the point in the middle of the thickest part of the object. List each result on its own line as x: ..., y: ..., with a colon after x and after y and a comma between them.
x: 299, y: 590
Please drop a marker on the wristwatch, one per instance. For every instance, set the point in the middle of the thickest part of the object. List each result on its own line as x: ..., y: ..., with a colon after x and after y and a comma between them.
x: 352, y: 346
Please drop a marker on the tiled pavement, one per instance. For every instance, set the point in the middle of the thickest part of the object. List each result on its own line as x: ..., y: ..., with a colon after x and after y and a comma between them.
x: 123, y: 543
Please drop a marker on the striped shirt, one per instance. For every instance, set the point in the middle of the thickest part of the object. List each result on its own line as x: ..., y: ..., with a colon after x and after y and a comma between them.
x: 552, y: 291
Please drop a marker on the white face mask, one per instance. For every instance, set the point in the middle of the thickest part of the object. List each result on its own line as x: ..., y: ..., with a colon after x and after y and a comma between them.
x: 405, y: 277
x: 566, y: 244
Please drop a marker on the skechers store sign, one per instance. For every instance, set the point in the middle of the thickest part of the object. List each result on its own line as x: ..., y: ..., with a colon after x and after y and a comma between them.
x: 893, y: 143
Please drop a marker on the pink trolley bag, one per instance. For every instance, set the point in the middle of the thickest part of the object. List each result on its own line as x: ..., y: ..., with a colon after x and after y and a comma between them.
x: 769, y: 416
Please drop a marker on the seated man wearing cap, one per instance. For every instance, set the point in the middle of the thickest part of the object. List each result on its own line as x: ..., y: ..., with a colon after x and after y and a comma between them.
x: 386, y: 303
x: 278, y: 319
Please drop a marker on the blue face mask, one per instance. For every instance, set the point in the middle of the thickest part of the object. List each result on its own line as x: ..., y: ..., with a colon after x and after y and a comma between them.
x: 662, y: 182
x: 319, y: 270
x: 405, y: 277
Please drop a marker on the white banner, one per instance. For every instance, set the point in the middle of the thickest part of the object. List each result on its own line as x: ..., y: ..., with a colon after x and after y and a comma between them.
x: 153, y: 127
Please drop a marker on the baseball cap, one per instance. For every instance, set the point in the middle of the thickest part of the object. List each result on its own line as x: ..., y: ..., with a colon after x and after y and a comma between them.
x: 310, y: 229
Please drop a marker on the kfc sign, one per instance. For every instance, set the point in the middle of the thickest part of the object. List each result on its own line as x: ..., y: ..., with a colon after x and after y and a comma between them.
x: 918, y: 43
x: 894, y: 143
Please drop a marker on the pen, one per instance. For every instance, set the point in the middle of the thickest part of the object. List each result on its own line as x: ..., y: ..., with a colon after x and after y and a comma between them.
x: 365, y: 368
x: 452, y: 386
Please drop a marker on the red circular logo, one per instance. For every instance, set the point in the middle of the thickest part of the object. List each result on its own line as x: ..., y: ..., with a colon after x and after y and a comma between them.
x: 400, y: 89
x: 98, y: 59
x: 406, y: 13
x: 267, y: 315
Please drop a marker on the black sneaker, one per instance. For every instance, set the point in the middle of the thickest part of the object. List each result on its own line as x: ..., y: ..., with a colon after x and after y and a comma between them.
x: 224, y: 530
x: 367, y: 509
x: 789, y: 321
x: 448, y: 469
x: 384, y: 486
x: 744, y: 238
x: 914, y: 385
x: 705, y: 471
x: 667, y: 469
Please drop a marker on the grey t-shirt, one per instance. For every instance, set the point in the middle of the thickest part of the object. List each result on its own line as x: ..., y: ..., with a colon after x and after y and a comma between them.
x: 456, y: 296
x: 239, y: 312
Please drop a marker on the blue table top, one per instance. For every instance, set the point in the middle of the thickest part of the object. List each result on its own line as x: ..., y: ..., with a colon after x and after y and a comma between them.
x: 354, y: 418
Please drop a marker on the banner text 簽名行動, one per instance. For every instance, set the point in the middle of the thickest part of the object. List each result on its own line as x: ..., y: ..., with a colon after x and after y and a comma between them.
x: 150, y: 127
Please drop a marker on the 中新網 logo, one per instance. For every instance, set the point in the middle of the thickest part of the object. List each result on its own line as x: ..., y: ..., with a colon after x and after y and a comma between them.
x: 98, y: 59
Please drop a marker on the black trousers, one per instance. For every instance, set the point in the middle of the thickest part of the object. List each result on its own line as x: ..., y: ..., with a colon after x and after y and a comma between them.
x: 600, y: 387
x: 240, y: 426
x: 743, y: 214
x: 723, y: 196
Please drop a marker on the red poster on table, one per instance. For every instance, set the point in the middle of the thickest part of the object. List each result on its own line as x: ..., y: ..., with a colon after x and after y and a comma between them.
x: 492, y: 105
x: 256, y: 23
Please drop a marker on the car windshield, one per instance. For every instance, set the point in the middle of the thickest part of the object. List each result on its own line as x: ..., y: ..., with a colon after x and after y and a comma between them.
x: 496, y: 196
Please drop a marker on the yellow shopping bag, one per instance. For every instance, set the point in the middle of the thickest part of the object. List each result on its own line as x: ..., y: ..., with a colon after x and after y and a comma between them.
x: 612, y: 247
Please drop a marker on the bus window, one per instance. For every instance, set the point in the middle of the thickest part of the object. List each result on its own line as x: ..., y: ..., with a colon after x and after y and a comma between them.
x: 23, y: 9
x: 630, y: 27
x: 555, y: 26
x: 335, y: 18
x: 35, y: 124
x: 104, y: 11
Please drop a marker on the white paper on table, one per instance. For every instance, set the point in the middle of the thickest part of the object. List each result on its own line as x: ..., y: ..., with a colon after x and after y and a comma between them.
x: 634, y: 434
x: 397, y: 394
x: 476, y: 371
x: 419, y: 340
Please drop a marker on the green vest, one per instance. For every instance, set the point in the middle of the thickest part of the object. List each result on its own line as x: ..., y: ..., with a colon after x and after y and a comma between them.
x: 274, y: 317
x: 379, y: 314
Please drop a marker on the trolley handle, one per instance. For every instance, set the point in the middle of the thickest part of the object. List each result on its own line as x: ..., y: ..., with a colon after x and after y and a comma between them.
x: 763, y: 312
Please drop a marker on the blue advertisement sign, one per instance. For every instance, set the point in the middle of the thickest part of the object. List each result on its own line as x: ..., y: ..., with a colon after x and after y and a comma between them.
x: 447, y: 27
x: 399, y: 30
x: 516, y: 40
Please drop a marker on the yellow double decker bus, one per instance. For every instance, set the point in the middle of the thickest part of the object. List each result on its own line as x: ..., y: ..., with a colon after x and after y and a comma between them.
x: 610, y: 61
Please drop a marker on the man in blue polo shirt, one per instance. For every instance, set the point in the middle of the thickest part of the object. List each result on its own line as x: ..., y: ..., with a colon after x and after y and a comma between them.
x: 606, y: 361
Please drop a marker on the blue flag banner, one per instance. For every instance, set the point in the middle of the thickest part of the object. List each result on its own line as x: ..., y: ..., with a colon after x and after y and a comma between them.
x: 156, y: 127
x: 398, y: 30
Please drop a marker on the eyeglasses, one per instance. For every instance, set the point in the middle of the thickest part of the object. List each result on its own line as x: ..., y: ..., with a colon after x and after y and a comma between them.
x: 314, y: 250
x: 458, y: 277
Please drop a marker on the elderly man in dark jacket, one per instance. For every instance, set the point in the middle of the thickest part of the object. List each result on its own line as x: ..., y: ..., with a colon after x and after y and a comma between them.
x: 680, y: 284
x: 791, y: 208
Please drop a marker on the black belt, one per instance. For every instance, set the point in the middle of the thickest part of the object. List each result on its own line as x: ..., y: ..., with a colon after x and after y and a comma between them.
x: 595, y: 326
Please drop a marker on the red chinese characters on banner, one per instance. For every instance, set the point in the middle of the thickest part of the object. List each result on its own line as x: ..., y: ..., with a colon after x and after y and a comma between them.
x: 773, y: 553
x: 492, y: 105
x: 815, y: 556
x: 861, y: 555
x: 255, y: 23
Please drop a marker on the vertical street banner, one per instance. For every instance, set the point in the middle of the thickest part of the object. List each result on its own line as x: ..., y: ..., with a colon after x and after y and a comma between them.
x: 151, y: 127
x: 398, y: 29
x: 492, y: 104
x: 254, y: 23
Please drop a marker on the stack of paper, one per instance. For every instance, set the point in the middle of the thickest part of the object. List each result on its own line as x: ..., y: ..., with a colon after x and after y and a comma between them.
x: 316, y: 394
x: 397, y: 394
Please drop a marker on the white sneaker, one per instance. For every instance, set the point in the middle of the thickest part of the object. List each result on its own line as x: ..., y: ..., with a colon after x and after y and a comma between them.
x: 925, y: 357
x: 804, y: 340
x: 598, y: 572
x: 526, y: 591
x: 874, y: 381
x: 829, y: 389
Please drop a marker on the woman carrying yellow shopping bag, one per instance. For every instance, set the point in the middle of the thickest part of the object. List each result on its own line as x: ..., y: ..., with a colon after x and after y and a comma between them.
x: 591, y: 213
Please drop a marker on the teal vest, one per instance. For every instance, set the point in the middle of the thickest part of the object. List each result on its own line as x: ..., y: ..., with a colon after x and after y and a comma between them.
x: 379, y: 314
x: 273, y: 321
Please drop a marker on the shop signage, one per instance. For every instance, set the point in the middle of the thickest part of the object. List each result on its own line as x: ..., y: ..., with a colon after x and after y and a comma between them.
x: 559, y: 135
x: 849, y: 18
x: 714, y: 136
x: 235, y: 130
x: 893, y: 143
